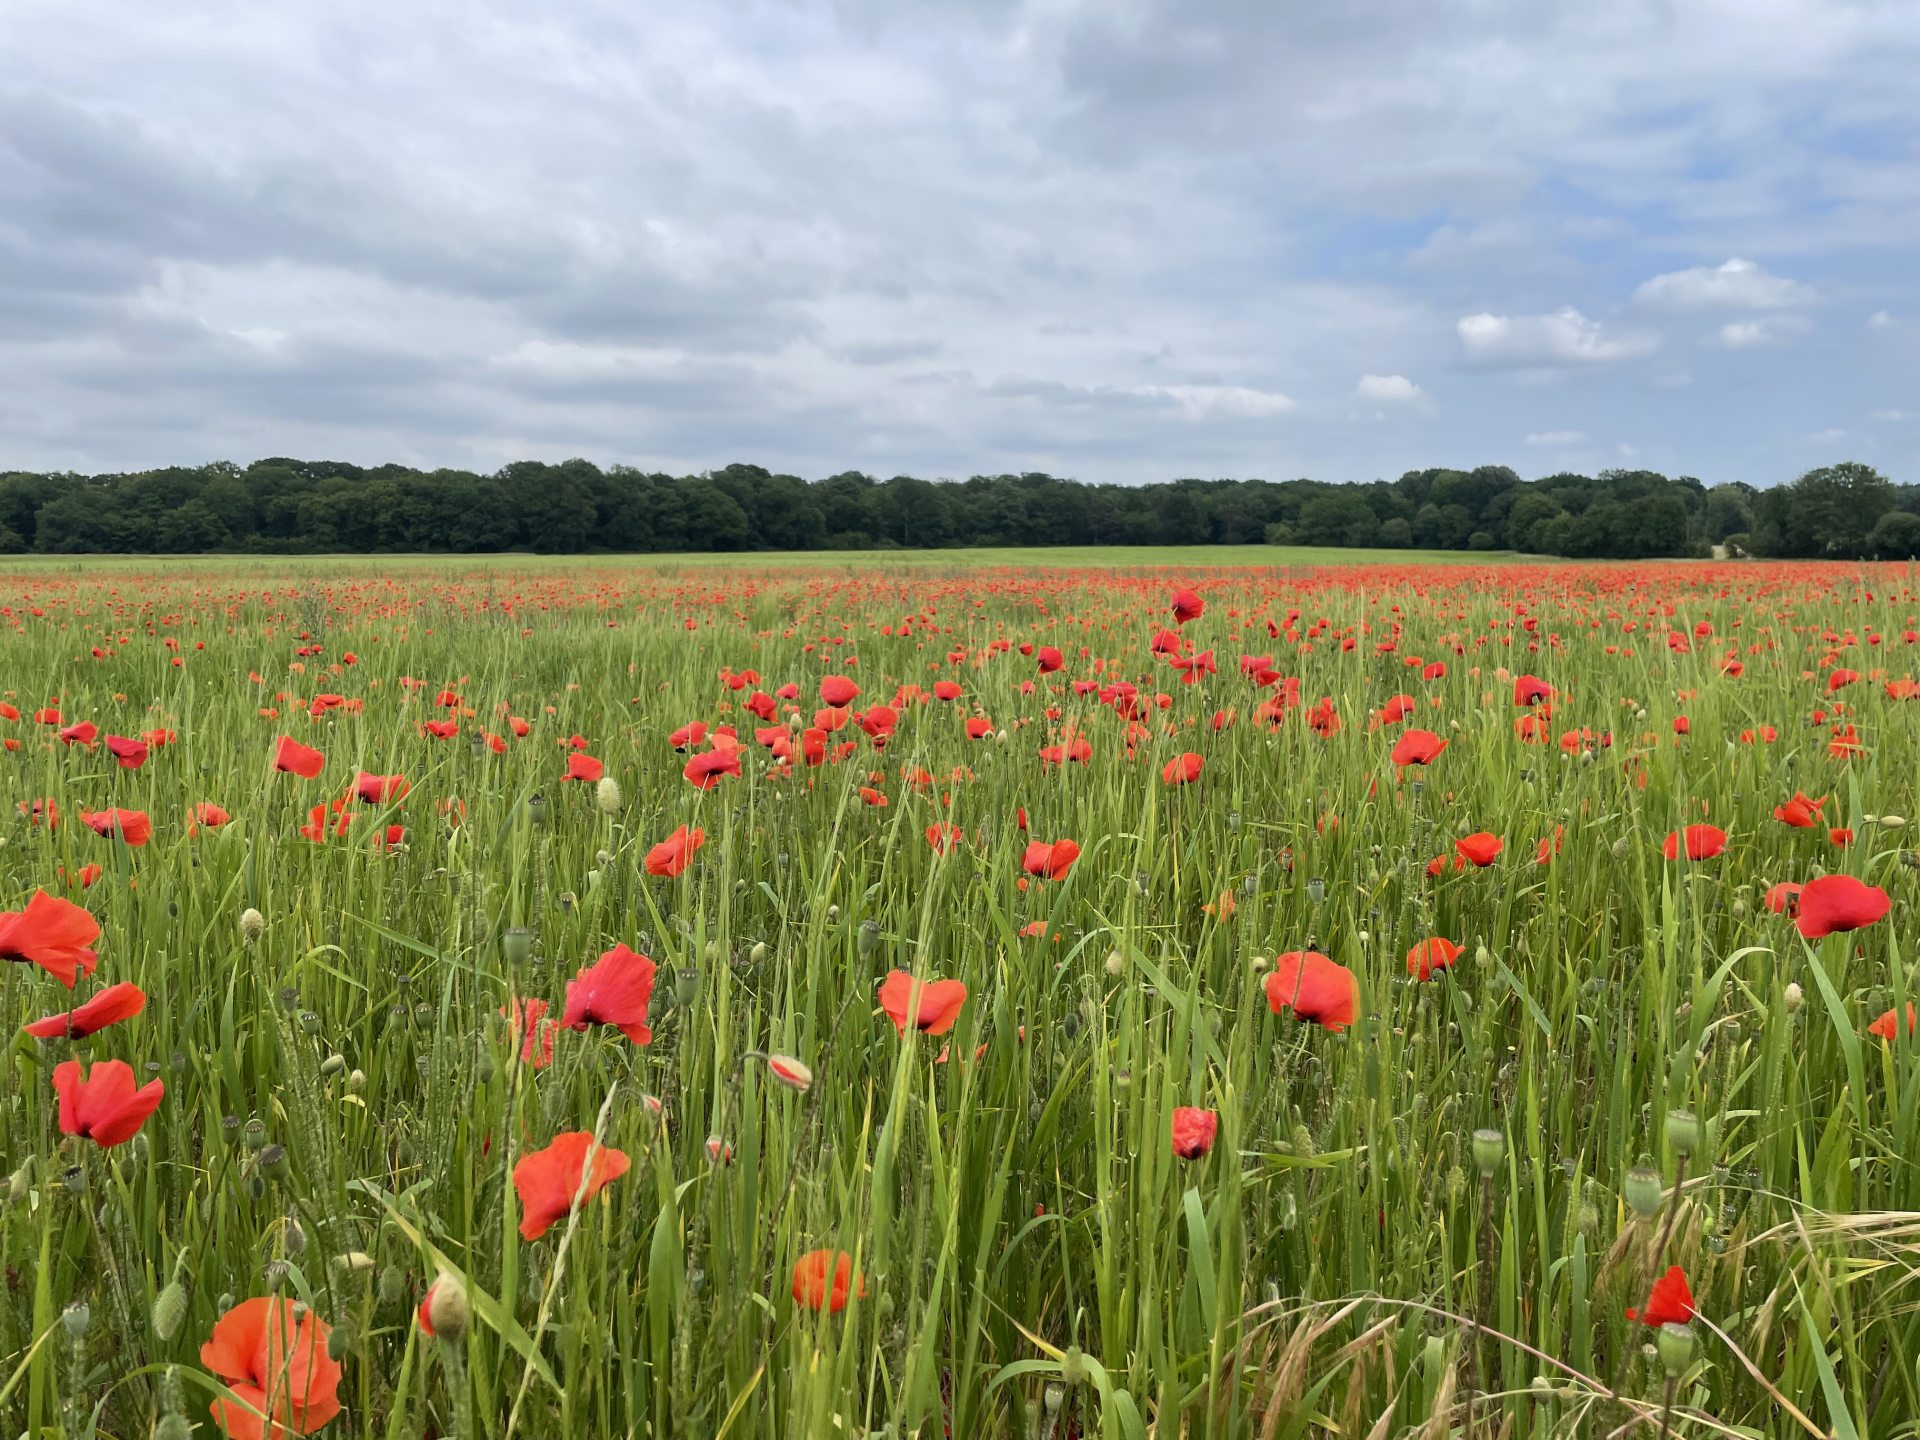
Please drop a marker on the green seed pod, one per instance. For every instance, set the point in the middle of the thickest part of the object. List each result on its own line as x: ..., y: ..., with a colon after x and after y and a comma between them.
x: 516, y: 945
x: 256, y: 1134
x: 1489, y: 1149
x: 869, y: 936
x: 340, y: 1340
x: 169, y: 1311
x: 1675, y: 1343
x: 1683, y: 1131
x: 483, y: 1069
x: 309, y: 1022
x: 274, y: 1163
x: 392, y: 1285
x: 1644, y: 1190
x: 75, y: 1319
x: 537, y: 809
x: 686, y: 987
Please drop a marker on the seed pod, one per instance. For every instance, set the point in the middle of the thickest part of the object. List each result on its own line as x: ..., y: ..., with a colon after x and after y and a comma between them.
x: 1675, y: 1343
x: 340, y: 1340
x: 869, y: 936
x: 1683, y: 1131
x: 686, y: 986
x: 75, y: 1319
x: 1643, y: 1190
x: 516, y: 945
x: 274, y: 1163
x: 1489, y: 1149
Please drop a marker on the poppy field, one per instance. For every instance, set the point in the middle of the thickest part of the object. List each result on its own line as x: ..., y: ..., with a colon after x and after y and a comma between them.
x: 604, y: 1000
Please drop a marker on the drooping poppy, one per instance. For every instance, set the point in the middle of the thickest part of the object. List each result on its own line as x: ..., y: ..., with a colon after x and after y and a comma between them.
x: 272, y: 1354
x: 1187, y: 606
x: 1481, y: 848
x: 55, y: 934
x: 131, y: 754
x: 1887, y: 1027
x: 1784, y: 899
x: 532, y: 1030
x: 548, y: 1180
x: 379, y: 789
x: 1182, y: 769
x: 1834, y: 903
x: 1802, y: 812
x: 109, y: 1007
x: 673, y: 854
x: 133, y: 827
x: 207, y: 816
x: 1701, y: 842
x: 705, y: 770
x: 292, y: 758
x: 1193, y: 1131
x: 1050, y: 862
x: 1428, y: 956
x: 838, y: 691
x: 615, y: 990
x: 824, y: 1279
x: 104, y: 1106
x: 931, y: 1006
x: 1315, y: 988
x: 583, y: 767
x: 1669, y: 1303
x: 1417, y: 747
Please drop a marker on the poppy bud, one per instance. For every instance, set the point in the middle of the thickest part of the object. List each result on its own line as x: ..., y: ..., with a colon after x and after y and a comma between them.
x: 173, y: 1426
x: 448, y: 1310
x: 392, y: 1285
x: 1054, y: 1396
x: 1489, y: 1148
x: 869, y: 936
x: 1073, y: 1366
x: 75, y: 1319
x: 1893, y: 822
x: 20, y: 1182
x: 354, y: 1262
x: 604, y: 858
x: 1683, y: 1131
x: 274, y: 1164
x: 1622, y: 848
x: 1643, y: 1190
x: 252, y: 925
x: 758, y: 953
x: 517, y: 945
x: 483, y: 1070
x: 333, y: 1065
x: 1739, y: 909
x: 608, y: 797
x: 790, y: 1072
x: 833, y: 914
x: 1116, y: 963
x: 1794, y: 997
x: 1675, y: 1343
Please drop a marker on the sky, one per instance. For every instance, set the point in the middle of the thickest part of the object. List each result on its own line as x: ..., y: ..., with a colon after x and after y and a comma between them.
x: 1121, y: 240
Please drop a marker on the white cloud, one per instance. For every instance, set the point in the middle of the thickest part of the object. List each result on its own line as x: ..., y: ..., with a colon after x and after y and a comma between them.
x: 1891, y: 416
x: 1558, y: 439
x: 1563, y: 338
x: 1827, y: 437
x: 1879, y: 320
x: 1737, y: 285
x: 1768, y: 330
x: 1388, y: 390
x: 1207, y: 402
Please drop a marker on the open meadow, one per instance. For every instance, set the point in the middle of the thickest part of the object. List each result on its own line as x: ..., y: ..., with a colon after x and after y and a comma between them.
x: 996, y: 994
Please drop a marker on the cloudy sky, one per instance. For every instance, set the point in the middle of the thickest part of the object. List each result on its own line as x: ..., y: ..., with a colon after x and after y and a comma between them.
x: 1116, y: 239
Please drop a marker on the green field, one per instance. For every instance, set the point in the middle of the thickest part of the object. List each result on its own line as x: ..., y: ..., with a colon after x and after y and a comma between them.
x: 1190, y: 1148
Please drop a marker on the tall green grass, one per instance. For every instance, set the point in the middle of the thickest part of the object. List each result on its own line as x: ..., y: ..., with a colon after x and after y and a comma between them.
x: 1037, y: 1262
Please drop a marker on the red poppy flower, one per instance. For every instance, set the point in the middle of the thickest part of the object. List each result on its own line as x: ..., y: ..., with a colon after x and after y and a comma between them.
x: 1431, y: 955
x: 944, y: 836
x: 582, y: 766
x: 615, y: 990
x: 272, y: 1354
x: 290, y: 756
x: 131, y: 754
x: 132, y: 826
x: 1050, y: 862
x: 208, y: 815
x: 1669, y: 1303
x: 83, y: 733
x: 1048, y: 659
x: 1315, y: 988
x: 379, y: 789
x: 109, y: 1007
x: 1784, y: 899
x: 705, y: 770
x: 55, y: 934
x: 1481, y: 848
x: 104, y: 1106
x: 1182, y: 769
x: 930, y: 1007
x: 1802, y: 812
x: 1187, y: 606
x: 548, y: 1180
x: 1835, y: 903
x: 1417, y: 747
x: 673, y: 854
x: 1530, y: 690
x: 823, y: 1279
x: 1701, y: 842
x: 532, y: 1030
x: 688, y: 735
x: 1887, y: 1027
x: 838, y: 690
x: 1193, y: 1131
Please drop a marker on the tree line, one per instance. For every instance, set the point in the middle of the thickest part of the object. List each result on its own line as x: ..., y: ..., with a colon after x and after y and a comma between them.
x: 285, y: 506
